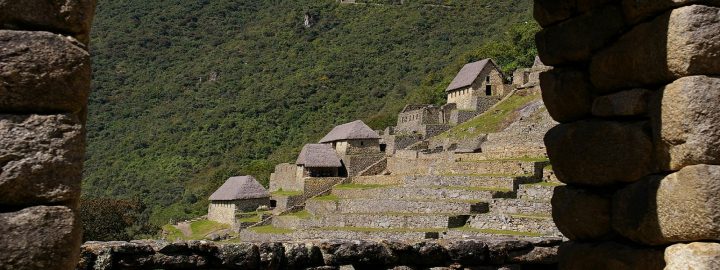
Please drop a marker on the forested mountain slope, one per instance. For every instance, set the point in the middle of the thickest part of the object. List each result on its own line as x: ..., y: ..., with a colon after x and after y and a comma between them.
x: 189, y: 92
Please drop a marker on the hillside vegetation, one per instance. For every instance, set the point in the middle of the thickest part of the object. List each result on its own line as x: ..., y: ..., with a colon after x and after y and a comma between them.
x: 189, y: 92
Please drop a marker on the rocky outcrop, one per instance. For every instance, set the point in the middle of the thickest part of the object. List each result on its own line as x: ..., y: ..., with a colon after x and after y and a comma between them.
x: 44, y: 86
x: 318, y: 255
x: 641, y: 167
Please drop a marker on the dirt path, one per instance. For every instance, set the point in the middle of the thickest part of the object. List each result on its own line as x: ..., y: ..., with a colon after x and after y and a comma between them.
x: 184, y: 227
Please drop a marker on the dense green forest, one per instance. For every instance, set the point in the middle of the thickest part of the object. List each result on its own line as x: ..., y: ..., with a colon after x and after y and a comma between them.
x: 189, y: 92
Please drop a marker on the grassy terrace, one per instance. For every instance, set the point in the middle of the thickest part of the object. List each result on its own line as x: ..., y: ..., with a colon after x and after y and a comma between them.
x: 485, y: 175
x: 521, y: 159
x: 270, y: 230
x: 199, y: 229
x: 546, y: 184
x: 330, y: 197
x: 533, y: 216
x: 287, y: 193
x: 304, y: 214
x: 498, y: 189
x: 396, y: 230
x: 500, y: 232
x: 492, y: 120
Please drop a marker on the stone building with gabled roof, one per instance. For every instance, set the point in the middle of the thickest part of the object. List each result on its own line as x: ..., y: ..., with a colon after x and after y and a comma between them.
x: 318, y: 160
x: 238, y: 194
x: 353, y: 138
x: 474, y: 82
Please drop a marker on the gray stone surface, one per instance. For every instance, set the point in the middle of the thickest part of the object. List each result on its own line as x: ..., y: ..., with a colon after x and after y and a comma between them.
x: 581, y: 214
x: 637, y: 10
x: 626, y: 103
x: 679, y: 43
x: 600, y: 153
x: 696, y: 256
x: 39, y: 237
x: 686, y: 122
x: 567, y: 94
x: 72, y: 17
x: 589, y: 33
x: 609, y: 255
x: 683, y: 206
x: 40, y: 159
x: 41, y: 72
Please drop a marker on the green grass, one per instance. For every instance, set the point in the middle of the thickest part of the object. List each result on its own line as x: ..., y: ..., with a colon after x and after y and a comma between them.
x: 485, y: 175
x: 173, y: 233
x: 201, y: 228
x: 251, y: 219
x: 397, y: 230
x: 546, y: 184
x: 548, y: 167
x: 287, y: 193
x: 331, y: 197
x: 501, y: 232
x: 269, y: 229
x: 490, y: 121
x: 304, y: 214
x: 361, y: 186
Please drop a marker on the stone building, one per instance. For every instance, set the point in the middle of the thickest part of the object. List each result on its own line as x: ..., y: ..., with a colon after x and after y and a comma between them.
x: 238, y: 194
x: 474, y: 82
x: 319, y: 160
x: 353, y: 138
x: 529, y: 77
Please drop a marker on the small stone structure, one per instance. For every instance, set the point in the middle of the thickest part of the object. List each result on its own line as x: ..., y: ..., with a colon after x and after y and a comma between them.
x: 357, y: 144
x: 318, y: 160
x: 529, y: 77
x: 44, y: 87
x: 635, y: 87
x: 474, y: 82
x: 237, y: 195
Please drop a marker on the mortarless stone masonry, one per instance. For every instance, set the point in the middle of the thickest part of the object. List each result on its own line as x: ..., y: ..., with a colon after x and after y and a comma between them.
x: 44, y: 86
x: 638, y: 142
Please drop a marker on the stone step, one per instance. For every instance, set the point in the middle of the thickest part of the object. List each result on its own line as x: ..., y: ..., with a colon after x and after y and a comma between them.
x: 495, y: 234
x: 323, y: 206
x: 410, y: 193
x: 340, y: 234
x: 458, y: 166
x: 380, y: 221
x: 489, y: 182
x: 520, y: 206
x: 515, y: 222
x: 542, y: 191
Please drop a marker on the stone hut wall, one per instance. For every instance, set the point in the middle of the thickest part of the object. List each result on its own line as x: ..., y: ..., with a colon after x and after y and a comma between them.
x: 318, y: 185
x: 636, y: 91
x: 285, y: 178
x: 355, y: 164
x: 224, y: 211
x: 44, y: 86
x: 359, y: 147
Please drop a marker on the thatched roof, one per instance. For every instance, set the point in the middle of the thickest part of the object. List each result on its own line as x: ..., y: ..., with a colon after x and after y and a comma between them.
x: 356, y: 130
x: 468, y: 74
x: 239, y: 188
x: 318, y: 156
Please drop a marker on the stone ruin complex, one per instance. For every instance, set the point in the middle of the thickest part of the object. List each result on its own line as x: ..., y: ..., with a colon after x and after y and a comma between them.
x: 633, y: 89
x: 636, y: 91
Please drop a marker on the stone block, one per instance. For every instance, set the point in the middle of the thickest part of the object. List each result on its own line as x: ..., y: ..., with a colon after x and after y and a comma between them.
x: 72, y: 17
x: 581, y: 214
x: 40, y: 159
x: 600, y: 153
x: 681, y: 42
x: 609, y: 255
x: 567, y: 94
x: 697, y: 256
x: 685, y: 119
x: 589, y: 33
x: 637, y: 10
x: 41, y: 237
x: 548, y: 12
x: 41, y: 72
x: 681, y: 207
x: 626, y: 103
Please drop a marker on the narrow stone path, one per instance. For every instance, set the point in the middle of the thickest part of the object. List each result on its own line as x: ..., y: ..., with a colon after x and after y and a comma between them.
x: 184, y: 227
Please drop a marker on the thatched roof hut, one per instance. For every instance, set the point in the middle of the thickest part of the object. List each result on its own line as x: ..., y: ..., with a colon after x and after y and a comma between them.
x: 318, y: 156
x: 240, y: 188
x: 469, y: 73
x: 356, y: 130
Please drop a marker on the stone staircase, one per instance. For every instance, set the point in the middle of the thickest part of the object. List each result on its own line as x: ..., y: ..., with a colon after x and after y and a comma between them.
x: 488, y: 198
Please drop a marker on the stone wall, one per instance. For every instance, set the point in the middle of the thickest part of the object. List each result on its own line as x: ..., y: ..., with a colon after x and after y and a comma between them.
x: 44, y: 86
x: 316, y: 186
x: 330, y: 255
x: 285, y: 178
x: 459, y: 117
x: 225, y: 211
x: 634, y: 87
x: 358, y: 163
